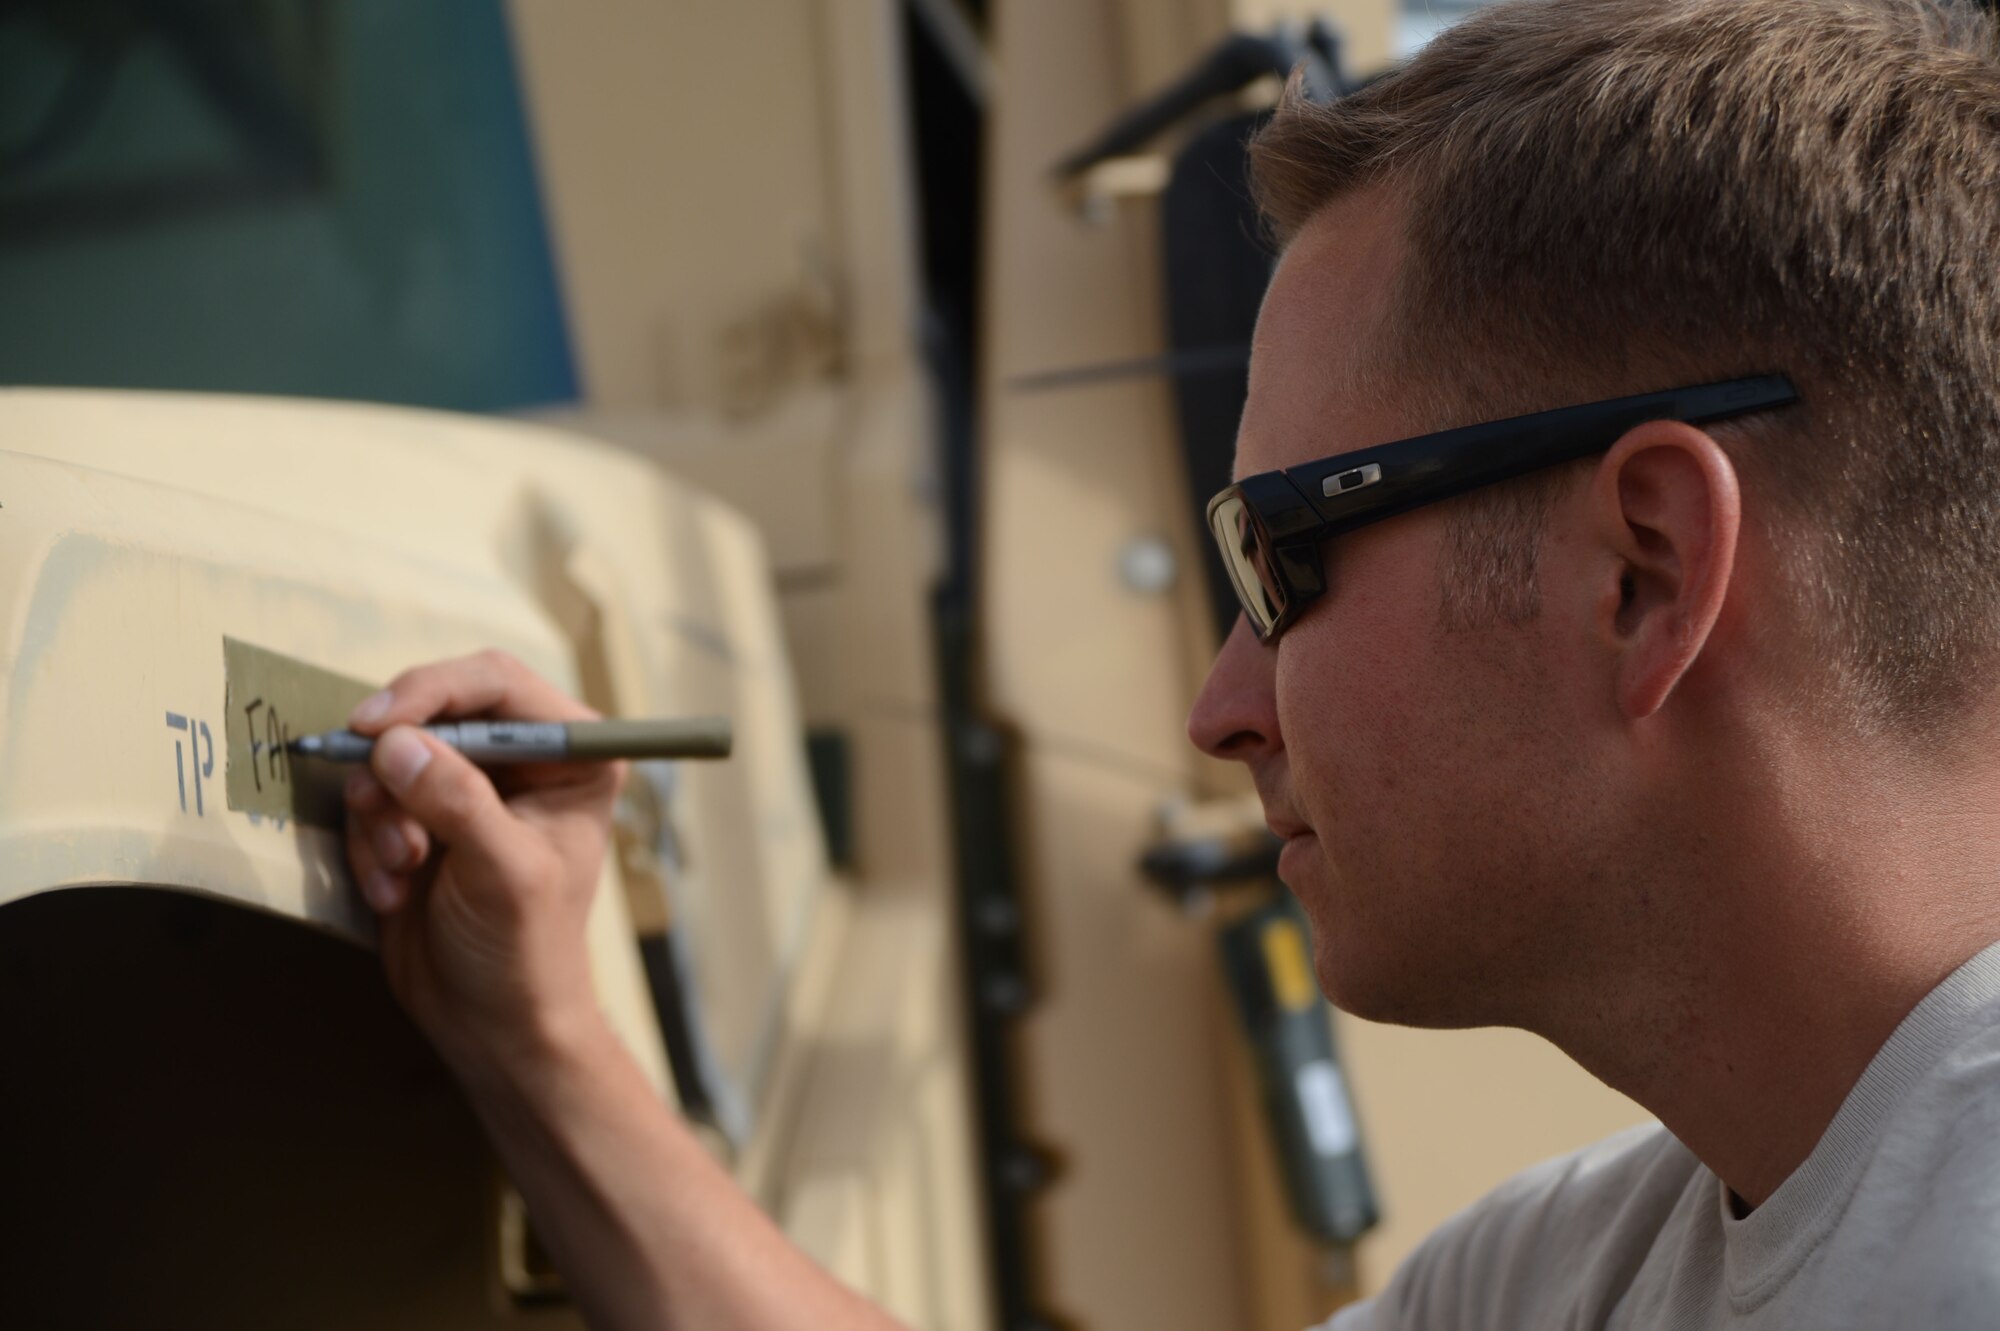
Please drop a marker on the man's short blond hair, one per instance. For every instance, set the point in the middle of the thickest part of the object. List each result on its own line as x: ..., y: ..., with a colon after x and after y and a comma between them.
x: 1607, y: 196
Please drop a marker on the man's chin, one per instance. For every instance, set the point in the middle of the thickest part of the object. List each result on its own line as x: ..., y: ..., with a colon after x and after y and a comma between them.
x: 1385, y: 986
x: 1351, y: 973
x: 1363, y: 969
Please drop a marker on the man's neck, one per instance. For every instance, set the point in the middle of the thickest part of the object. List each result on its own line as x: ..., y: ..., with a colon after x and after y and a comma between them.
x: 1799, y: 953
x: 1751, y: 1084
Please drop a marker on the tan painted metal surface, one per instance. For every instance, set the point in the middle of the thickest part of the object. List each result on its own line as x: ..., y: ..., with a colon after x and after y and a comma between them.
x: 730, y: 193
x: 1127, y: 1056
x: 142, y: 528
x: 145, y: 527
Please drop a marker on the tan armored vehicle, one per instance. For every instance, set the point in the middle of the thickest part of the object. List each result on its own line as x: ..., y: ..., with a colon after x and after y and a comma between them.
x: 907, y: 498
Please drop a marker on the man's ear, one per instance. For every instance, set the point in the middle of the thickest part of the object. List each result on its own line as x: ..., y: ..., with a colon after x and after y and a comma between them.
x: 1667, y: 508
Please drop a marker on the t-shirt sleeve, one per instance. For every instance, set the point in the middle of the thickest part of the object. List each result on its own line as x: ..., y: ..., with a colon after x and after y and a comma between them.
x: 1511, y: 1259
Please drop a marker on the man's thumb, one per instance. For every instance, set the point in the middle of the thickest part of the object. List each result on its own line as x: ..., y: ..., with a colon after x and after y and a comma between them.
x: 439, y: 788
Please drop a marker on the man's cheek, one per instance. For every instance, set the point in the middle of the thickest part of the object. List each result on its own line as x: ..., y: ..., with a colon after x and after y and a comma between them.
x: 1350, y: 745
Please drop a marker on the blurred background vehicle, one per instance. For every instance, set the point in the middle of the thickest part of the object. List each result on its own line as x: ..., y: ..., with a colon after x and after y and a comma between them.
x: 855, y: 368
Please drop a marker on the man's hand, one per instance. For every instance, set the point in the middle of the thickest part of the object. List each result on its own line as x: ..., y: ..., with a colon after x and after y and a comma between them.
x: 483, y: 891
x: 482, y: 883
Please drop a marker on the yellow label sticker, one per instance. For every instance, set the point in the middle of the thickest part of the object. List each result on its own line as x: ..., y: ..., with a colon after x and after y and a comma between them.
x: 1290, y: 968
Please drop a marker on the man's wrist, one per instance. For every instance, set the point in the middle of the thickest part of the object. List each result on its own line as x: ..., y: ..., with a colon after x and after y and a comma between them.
x: 533, y: 1053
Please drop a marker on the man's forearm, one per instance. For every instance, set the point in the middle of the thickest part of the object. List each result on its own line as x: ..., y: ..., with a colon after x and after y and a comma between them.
x: 647, y: 1229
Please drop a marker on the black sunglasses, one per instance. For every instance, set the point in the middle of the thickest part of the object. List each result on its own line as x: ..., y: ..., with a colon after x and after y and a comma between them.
x: 1269, y: 526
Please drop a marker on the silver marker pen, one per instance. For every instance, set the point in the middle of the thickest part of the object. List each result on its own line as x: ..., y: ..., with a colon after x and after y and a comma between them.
x: 547, y: 741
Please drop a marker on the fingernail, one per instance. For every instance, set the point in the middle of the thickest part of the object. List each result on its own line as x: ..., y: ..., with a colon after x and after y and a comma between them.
x: 382, y: 891
x: 372, y: 708
x: 400, y: 758
x: 390, y: 847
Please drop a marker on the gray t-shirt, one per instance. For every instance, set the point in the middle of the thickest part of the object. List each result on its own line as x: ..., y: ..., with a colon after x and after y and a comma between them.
x: 1892, y: 1221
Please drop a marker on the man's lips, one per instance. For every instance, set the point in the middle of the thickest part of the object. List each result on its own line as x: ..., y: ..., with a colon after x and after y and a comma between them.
x: 1296, y: 836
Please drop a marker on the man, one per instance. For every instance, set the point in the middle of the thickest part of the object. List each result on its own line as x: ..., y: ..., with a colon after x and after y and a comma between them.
x: 1665, y: 728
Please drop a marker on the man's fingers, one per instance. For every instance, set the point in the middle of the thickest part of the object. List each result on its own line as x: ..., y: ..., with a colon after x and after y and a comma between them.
x: 383, y: 889
x: 363, y: 793
x: 400, y: 843
x: 446, y: 795
x: 403, y: 843
x: 491, y: 683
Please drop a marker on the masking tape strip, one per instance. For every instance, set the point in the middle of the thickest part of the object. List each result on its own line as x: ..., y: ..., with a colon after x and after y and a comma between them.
x: 269, y: 700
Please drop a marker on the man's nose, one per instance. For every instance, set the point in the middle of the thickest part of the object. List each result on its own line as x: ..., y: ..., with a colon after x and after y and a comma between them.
x: 1236, y: 715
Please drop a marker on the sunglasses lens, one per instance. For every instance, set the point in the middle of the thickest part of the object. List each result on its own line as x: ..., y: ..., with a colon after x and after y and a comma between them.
x: 1244, y: 553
